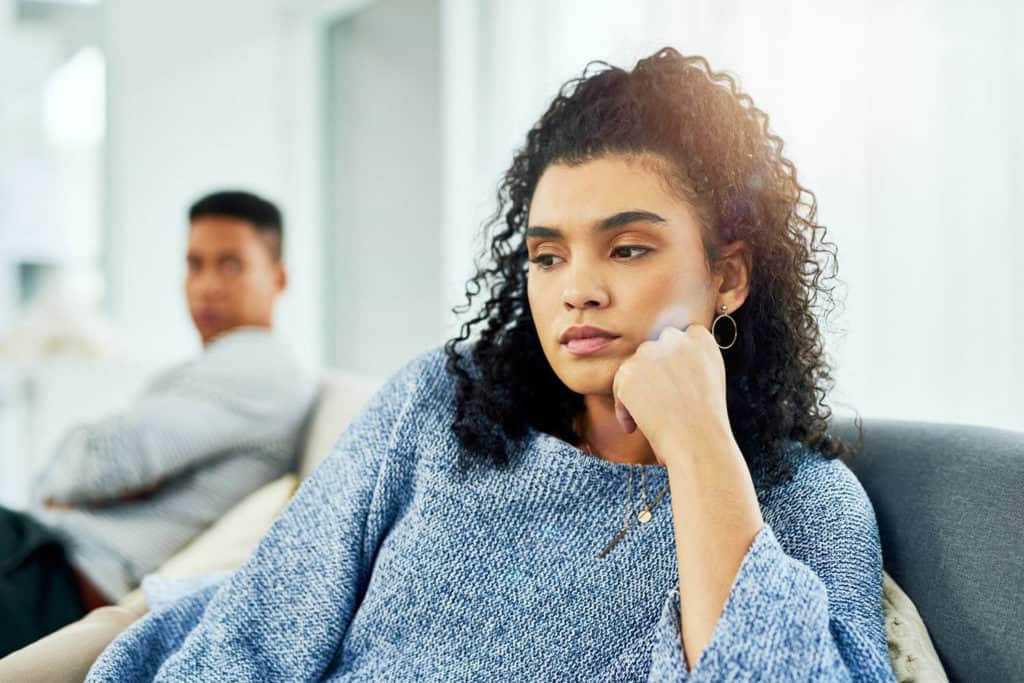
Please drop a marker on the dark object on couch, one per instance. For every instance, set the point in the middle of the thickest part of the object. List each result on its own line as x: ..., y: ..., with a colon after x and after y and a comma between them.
x: 950, y: 506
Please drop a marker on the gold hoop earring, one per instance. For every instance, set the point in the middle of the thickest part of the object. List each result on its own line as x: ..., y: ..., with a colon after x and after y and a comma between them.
x: 735, y: 329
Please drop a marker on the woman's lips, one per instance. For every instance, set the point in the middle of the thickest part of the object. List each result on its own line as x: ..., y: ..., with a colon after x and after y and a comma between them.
x: 587, y: 345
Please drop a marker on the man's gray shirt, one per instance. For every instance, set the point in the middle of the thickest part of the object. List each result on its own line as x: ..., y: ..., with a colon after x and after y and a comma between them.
x: 203, y: 434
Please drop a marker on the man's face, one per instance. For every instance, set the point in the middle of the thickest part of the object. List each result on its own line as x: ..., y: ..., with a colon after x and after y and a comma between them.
x: 233, y: 279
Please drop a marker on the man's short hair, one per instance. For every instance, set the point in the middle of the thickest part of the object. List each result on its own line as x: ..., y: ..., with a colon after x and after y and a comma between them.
x: 264, y: 216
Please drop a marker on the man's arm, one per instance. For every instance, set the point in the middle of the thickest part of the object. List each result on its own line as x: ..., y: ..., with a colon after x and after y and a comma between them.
x: 207, y: 409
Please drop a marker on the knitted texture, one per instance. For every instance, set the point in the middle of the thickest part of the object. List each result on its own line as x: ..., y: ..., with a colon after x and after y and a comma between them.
x: 391, y: 564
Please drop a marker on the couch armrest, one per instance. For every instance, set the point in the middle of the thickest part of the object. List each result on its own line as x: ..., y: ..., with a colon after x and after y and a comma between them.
x: 66, y: 655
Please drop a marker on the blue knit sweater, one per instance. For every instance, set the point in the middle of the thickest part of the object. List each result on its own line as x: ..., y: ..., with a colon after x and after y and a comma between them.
x: 391, y: 564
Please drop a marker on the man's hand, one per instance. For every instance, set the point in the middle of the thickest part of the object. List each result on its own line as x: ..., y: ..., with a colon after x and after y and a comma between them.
x: 141, y: 494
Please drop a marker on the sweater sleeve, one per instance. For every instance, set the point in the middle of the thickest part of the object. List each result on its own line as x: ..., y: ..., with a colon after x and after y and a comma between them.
x: 812, y: 614
x: 282, y: 615
x: 243, y: 392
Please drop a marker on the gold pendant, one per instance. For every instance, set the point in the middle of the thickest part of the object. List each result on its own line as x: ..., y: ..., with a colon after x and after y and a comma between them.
x: 644, y: 515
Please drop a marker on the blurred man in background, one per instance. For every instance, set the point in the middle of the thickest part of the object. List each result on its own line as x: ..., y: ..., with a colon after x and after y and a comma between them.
x: 121, y: 495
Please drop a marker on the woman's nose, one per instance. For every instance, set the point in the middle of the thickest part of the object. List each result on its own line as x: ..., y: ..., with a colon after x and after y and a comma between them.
x: 584, y: 291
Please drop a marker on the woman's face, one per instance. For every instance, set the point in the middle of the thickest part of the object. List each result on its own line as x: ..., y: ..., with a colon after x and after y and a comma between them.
x: 612, y: 246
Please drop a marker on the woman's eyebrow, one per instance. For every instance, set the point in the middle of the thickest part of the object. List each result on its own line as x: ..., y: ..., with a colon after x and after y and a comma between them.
x: 613, y: 221
x: 626, y: 217
x: 541, y: 231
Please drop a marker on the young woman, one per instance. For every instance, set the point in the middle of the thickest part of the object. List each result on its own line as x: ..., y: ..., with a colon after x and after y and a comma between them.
x: 620, y: 470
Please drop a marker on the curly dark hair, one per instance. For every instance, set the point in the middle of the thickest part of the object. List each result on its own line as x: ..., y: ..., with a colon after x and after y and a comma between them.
x: 721, y: 156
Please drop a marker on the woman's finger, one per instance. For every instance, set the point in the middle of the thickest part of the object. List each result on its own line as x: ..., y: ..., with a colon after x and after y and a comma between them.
x: 624, y: 418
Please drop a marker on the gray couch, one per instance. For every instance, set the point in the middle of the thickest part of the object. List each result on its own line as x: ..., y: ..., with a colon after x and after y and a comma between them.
x: 950, y: 506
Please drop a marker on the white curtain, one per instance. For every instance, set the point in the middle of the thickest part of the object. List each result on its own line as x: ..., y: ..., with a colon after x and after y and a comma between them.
x: 905, y: 121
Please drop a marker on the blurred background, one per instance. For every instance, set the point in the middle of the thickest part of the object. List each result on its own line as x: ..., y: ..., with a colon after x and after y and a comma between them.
x: 381, y: 128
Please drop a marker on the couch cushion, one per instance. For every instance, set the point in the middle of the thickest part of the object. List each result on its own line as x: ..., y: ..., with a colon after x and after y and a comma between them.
x: 949, y: 507
x: 911, y: 652
x: 342, y: 397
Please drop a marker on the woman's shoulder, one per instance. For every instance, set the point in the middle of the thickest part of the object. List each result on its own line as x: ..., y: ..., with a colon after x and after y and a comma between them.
x: 421, y: 393
x: 816, y: 488
x: 424, y: 378
x: 389, y: 426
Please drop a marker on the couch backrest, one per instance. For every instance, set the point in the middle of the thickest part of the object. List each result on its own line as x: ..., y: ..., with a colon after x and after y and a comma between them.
x: 950, y: 506
x: 342, y: 397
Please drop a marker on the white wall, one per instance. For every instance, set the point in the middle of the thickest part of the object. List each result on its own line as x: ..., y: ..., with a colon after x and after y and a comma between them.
x: 204, y: 96
x: 903, y: 120
x: 385, y: 190
x: 50, y: 131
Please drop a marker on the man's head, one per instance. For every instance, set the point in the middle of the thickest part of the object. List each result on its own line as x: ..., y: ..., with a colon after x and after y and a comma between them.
x: 235, y: 272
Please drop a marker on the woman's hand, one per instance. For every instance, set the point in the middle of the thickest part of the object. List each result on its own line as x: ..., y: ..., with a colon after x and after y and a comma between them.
x: 673, y: 390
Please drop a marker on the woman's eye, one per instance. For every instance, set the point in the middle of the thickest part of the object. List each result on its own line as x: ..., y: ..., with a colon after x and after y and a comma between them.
x: 543, y: 260
x: 624, y: 251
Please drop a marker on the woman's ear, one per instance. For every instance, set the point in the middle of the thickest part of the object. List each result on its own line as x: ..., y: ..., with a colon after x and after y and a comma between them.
x: 732, y: 273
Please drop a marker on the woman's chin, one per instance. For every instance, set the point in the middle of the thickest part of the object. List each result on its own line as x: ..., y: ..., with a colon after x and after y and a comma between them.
x: 590, y: 380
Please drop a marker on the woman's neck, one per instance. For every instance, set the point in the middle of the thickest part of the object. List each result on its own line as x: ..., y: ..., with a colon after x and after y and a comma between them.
x: 603, y: 433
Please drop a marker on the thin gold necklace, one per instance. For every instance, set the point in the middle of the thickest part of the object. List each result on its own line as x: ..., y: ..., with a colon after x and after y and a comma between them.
x: 645, y: 514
